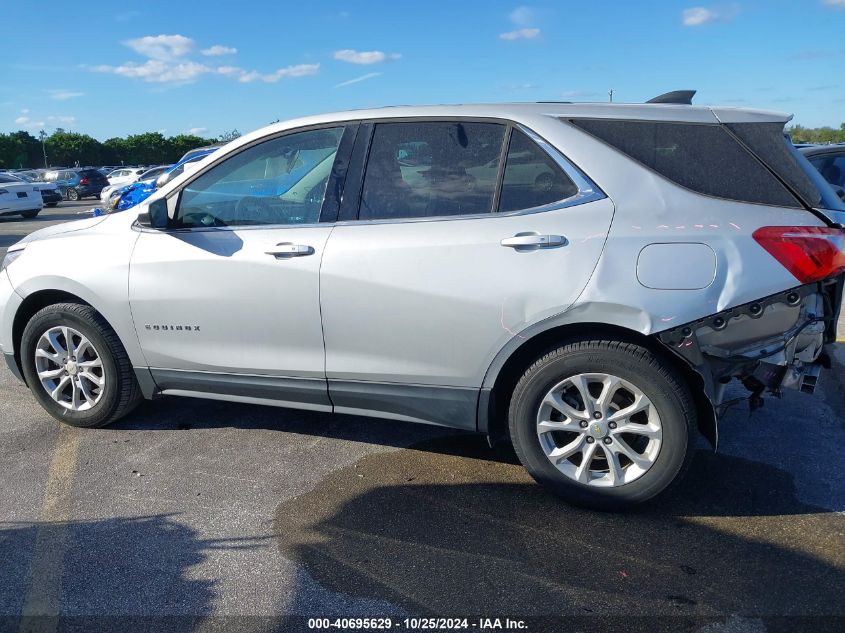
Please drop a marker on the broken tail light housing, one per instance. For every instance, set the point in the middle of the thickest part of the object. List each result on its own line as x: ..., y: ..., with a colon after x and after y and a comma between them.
x: 810, y: 253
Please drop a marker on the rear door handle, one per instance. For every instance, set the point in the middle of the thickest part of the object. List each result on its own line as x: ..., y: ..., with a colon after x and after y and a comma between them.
x: 286, y: 250
x: 532, y: 241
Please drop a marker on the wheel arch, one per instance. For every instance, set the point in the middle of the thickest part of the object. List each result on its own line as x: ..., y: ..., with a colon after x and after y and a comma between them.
x: 511, y: 363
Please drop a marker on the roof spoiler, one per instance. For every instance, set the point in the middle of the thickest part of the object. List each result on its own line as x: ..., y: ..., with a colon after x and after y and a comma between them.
x: 680, y: 97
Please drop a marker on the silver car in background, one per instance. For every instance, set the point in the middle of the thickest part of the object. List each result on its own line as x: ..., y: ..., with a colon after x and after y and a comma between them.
x: 583, y: 280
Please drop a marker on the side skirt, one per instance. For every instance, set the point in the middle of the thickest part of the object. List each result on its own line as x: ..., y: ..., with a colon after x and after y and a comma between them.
x: 454, y: 407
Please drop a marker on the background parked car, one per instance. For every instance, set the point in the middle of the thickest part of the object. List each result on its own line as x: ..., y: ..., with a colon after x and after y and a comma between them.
x: 148, y: 177
x: 830, y: 161
x: 18, y: 197
x: 128, y: 196
x: 76, y: 184
x: 124, y: 175
x: 49, y: 192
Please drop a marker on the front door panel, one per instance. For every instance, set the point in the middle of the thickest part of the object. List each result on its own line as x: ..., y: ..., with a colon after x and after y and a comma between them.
x: 215, y: 300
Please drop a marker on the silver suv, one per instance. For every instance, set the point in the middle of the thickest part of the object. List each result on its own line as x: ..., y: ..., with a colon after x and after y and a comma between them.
x: 583, y: 279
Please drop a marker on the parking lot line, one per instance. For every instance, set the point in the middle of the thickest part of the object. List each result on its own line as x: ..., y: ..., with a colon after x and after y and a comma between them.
x: 41, y: 607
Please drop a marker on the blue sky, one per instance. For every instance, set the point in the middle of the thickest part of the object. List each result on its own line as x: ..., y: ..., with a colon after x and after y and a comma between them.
x: 114, y: 68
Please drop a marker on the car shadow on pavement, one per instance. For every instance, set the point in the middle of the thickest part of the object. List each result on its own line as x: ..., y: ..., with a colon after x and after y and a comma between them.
x: 442, y: 529
x: 110, y: 574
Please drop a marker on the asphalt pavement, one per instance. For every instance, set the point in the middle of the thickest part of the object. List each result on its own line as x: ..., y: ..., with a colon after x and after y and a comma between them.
x: 199, y: 515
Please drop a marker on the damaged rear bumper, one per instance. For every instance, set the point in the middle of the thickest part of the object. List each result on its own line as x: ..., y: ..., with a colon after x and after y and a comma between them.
x: 774, y: 343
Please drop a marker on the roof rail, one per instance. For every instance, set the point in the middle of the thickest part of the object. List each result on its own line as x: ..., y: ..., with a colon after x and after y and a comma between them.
x: 681, y: 97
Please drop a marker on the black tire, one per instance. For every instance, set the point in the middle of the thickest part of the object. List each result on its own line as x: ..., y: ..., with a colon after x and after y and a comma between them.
x: 655, y: 377
x: 121, y: 393
x: 30, y: 214
x: 73, y: 194
x: 52, y: 204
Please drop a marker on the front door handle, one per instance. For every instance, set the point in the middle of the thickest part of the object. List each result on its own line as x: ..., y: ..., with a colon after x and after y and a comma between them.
x: 533, y: 240
x: 286, y: 250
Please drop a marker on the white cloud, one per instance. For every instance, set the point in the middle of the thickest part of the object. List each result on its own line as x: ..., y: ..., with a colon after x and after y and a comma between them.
x: 357, y: 80
x: 248, y: 76
x: 522, y: 16
x: 161, y: 47
x: 196, y: 130
x: 25, y: 121
x: 364, y: 57
x: 156, y: 71
x: 169, y: 61
x: 25, y: 111
x: 64, y: 95
x: 520, y: 34
x: 64, y: 120
x: 836, y: 4
x: 699, y: 16
x: 217, y: 50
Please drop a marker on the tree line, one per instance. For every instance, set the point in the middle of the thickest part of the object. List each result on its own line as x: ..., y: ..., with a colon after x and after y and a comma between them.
x: 65, y: 149
x: 801, y: 134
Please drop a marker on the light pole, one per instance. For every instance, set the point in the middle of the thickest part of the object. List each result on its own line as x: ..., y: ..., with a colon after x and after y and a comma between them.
x: 610, y: 94
x: 43, y: 135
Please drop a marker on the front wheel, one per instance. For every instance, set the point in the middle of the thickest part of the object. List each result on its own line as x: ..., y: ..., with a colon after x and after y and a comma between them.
x: 603, y: 424
x: 76, y: 367
x: 72, y: 194
x: 28, y: 215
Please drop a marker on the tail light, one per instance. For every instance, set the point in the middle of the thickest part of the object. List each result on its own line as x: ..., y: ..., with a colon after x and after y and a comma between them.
x: 810, y: 253
x: 84, y: 181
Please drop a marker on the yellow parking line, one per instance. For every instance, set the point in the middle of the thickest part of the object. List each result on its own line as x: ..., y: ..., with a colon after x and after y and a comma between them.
x: 41, y: 607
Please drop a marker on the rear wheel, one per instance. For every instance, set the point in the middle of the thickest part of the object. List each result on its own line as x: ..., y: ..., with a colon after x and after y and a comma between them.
x: 30, y: 214
x: 73, y: 194
x: 603, y: 424
x: 52, y: 204
x: 76, y: 367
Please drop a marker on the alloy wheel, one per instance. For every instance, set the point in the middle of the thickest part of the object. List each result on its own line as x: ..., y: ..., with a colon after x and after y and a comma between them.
x: 599, y: 430
x: 69, y: 368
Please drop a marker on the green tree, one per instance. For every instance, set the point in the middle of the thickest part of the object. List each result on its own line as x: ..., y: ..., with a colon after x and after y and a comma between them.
x: 183, y: 143
x: 70, y: 148
x: 229, y: 136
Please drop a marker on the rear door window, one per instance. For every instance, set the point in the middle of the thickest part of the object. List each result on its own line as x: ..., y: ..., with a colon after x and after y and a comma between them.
x: 702, y: 157
x: 431, y: 169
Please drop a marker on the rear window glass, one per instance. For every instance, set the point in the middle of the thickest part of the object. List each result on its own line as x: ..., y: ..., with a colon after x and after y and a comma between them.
x: 701, y: 157
x: 90, y: 173
x: 767, y: 141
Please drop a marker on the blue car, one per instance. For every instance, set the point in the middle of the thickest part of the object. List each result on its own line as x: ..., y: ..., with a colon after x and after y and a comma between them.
x: 135, y: 193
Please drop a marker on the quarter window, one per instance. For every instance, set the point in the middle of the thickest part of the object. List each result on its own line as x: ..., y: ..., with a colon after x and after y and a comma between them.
x: 701, y: 157
x: 430, y: 169
x: 532, y: 178
x: 281, y: 181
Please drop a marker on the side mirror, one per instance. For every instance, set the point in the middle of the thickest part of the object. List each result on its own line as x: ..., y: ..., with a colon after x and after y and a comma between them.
x: 156, y: 215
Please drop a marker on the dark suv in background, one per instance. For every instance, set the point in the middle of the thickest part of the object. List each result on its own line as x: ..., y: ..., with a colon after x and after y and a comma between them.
x: 76, y: 184
x: 830, y: 161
